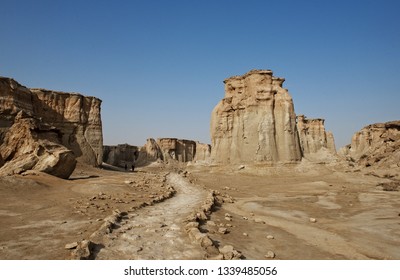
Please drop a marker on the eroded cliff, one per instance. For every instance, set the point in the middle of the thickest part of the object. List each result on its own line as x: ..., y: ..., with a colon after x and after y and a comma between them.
x: 77, y: 117
x: 255, y: 121
x: 313, y: 136
x: 121, y: 155
x: 376, y: 145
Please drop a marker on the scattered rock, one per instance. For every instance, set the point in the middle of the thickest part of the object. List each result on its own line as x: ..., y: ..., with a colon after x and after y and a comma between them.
x: 72, y: 245
x: 241, y: 167
x: 228, y: 219
x: 313, y: 220
x: 211, y: 224
x: 230, y: 253
x: 223, y: 230
x: 83, y: 250
x: 270, y: 255
x: 270, y: 237
x: 245, y: 234
x: 259, y: 221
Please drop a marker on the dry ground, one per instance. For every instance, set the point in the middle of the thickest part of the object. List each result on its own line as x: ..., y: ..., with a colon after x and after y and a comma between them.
x: 272, y: 210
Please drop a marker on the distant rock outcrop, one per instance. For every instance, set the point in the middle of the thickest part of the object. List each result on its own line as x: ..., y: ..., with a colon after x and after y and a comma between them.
x: 313, y: 136
x: 76, y: 117
x: 31, y: 144
x: 150, y: 152
x: 120, y: 155
x: 376, y: 145
x: 255, y: 122
x: 177, y: 149
x: 203, y: 152
x: 173, y: 149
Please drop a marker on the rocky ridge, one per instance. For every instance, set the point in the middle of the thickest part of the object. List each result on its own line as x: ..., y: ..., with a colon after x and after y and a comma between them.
x: 376, y: 145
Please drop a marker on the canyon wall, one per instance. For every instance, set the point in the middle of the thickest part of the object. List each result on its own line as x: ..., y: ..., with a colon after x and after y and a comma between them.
x: 120, y: 155
x: 173, y: 149
x: 177, y: 149
x: 76, y: 117
x: 255, y: 122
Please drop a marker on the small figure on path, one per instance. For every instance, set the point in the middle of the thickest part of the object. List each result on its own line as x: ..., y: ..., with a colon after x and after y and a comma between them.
x: 126, y: 167
x: 133, y: 168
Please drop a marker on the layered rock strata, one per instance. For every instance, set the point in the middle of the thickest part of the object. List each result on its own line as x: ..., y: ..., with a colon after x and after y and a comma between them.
x: 313, y: 136
x: 376, y: 145
x: 177, y: 149
x: 203, y: 152
x: 30, y: 144
x: 120, y: 155
x: 173, y: 149
x: 255, y: 122
x: 76, y: 117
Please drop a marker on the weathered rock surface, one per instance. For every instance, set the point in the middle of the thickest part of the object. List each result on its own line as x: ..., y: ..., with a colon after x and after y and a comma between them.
x: 173, y: 149
x: 177, y: 149
x: 313, y: 136
x: 150, y: 152
x: 376, y: 145
x: 76, y: 117
x: 255, y: 121
x: 31, y: 144
x: 120, y: 155
x: 203, y: 152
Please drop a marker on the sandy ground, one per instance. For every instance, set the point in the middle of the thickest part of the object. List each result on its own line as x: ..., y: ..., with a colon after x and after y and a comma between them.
x: 297, y: 212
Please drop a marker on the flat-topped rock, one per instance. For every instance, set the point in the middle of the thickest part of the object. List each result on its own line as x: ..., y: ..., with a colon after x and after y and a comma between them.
x: 254, y: 122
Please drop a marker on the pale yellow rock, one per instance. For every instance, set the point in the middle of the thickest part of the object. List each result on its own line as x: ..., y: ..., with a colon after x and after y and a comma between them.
x: 76, y: 117
x: 313, y: 136
x: 376, y: 145
x: 254, y: 122
x: 30, y: 144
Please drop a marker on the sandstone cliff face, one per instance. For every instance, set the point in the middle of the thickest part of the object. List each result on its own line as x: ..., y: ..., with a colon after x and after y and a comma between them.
x: 313, y: 136
x: 120, y: 155
x: 76, y: 117
x: 30, y: 144
x: 150, y: 152
x: 376, y: 145
x: 203, y: 152
x: 255, y: 121
x: 177, y: 149
x: 173, y: 149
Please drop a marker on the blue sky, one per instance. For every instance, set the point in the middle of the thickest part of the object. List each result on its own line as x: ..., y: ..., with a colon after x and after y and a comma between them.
x: 158, y: 66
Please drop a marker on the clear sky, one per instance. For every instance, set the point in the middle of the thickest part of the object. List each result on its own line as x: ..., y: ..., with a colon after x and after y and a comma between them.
x: 159, y: 65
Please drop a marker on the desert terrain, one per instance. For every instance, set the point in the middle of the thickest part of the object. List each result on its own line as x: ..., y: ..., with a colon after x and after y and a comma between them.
x: 291, y: 212
x: 270, y: 186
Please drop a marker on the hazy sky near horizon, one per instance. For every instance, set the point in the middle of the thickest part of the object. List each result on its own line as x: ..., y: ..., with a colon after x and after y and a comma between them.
x: 159, y: 65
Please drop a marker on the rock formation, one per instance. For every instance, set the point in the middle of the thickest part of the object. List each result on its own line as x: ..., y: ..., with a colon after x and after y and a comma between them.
x: 313, y: 136
x: 120, y: 155
x: 255, y: 121
x: 76, y: 117
x: 203, y: 152
x: 376, y: 145
x: 177, y: 149
x: 173, y: 149
x: 150, y: 152
x: 30, y: 144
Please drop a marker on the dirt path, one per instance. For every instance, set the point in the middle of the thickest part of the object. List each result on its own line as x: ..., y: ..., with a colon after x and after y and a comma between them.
x: 156, y: 232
